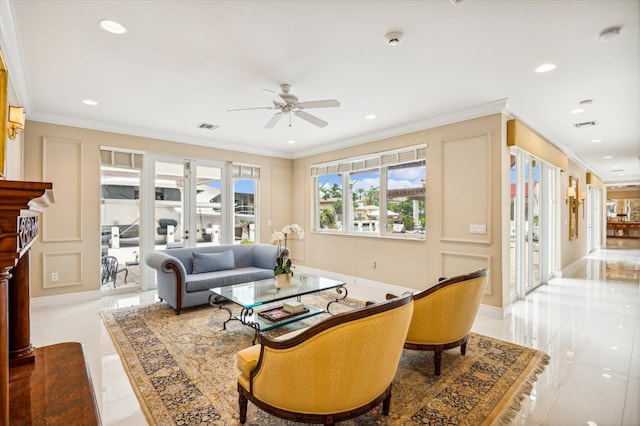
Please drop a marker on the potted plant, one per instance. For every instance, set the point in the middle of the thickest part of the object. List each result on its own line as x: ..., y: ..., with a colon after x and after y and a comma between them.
x: 283, y: 269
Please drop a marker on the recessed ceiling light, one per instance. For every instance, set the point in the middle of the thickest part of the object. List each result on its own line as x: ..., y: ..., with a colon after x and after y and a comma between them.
x: 112, y: 26
x: 577, y: 110
x: 546, y: 67
x: 607, y: 157
x: 370, y: 116
x: 90, y: 102
x: 609, y: 33
x: 596, y: 141
x: 291, y: 142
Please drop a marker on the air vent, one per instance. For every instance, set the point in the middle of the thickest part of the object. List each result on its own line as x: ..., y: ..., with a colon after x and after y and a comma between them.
x: 617, y: 170
x: 208, y: 126
x: 586, y: 124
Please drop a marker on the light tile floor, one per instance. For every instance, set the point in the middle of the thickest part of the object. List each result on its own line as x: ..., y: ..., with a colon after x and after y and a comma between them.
x: 589, y: 323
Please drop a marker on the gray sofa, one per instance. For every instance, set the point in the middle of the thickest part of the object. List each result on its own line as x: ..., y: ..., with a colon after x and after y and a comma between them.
x: 185, y: 275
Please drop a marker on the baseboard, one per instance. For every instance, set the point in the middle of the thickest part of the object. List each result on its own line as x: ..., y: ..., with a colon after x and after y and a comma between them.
x: 494, y: 312
x: 572, y: 269
x: 64, y: 299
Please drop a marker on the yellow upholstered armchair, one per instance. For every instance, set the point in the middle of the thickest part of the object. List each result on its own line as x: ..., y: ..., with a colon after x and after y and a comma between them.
x: 334, y: 370
x: 443, y: 314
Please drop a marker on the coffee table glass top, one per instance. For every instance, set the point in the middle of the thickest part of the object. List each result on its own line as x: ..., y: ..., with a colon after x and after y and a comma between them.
x: 256, y: 293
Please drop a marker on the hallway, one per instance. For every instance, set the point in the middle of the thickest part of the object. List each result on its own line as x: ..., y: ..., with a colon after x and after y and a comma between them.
x: 589, y: 323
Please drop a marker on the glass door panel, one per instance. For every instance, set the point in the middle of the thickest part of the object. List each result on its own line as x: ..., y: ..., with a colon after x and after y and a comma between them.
x: 208, y: 211
x: 169, y: 202
x: 528, y: 223
x: 120, y: 227
x: 244, y: 191
x: 533, y: 220
x: 512, y: 227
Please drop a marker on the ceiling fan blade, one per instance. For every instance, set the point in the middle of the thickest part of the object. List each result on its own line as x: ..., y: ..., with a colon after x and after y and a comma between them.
x: 247, y: 109
x: 274, y: 120
x: 328, y: 103
x: 310, y: 118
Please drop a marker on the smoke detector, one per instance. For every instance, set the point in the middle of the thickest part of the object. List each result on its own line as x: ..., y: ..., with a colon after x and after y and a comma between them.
x: 394, y: 38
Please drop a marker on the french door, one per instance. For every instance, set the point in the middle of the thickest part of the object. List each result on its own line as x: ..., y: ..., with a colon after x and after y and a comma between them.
x: 533, y: 222
x: 190, y: 203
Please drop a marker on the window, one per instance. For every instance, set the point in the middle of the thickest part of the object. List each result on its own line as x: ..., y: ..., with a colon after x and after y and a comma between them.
x: 245, y: 179
x: 329, y: 205
x: 351, y: 193
x: 364, y: 187
x: 405, y: 197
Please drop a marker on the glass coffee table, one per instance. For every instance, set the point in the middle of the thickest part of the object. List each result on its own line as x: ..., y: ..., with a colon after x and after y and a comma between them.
x: 255, y: 294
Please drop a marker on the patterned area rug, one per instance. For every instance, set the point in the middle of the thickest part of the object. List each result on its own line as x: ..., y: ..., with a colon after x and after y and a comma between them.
x: 183, y: 370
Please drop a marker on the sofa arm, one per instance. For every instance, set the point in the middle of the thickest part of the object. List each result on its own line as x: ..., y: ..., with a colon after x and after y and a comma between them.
x: 171, y: 276
x: 162, y: 263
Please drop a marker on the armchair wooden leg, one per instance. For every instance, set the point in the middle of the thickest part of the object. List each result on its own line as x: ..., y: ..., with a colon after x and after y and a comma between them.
x: 386, y: 404
x: 242, y: 403
x: 437, y: 359
x: 463, y: 348
x: 329, y: 421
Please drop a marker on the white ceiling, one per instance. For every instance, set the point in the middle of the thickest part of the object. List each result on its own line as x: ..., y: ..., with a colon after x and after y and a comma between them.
x: 185, y: 62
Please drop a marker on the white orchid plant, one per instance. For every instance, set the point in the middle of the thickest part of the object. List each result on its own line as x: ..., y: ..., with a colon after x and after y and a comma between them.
x: 283, y: 262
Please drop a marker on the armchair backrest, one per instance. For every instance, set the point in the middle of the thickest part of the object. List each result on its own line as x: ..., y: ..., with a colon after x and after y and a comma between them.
x: 445, y: 312
x: 339, y: 364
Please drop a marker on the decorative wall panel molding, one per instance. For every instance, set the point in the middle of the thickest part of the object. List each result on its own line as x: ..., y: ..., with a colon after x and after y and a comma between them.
x: 458, y: 263
x: 67, y: 265
x: 62, y: 165
x: 466, y: 189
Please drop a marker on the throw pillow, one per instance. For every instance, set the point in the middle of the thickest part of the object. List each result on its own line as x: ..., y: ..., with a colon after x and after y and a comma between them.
x: 211, y: 262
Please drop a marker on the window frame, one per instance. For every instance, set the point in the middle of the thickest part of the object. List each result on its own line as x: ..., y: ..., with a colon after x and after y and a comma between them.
x: 377, y: 162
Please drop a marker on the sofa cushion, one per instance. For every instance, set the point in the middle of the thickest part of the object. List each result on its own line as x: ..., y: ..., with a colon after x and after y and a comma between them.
x: 211, y: 262
x: 264, y: 256
x: 207, y: 280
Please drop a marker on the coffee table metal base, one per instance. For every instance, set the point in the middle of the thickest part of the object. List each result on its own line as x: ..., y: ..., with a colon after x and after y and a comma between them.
x: 250, y: 318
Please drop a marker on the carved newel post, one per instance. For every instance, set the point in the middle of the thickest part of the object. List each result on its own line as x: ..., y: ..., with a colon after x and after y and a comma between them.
x: 19, y: 204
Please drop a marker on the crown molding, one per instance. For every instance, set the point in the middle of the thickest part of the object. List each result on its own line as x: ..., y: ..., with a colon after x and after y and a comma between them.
x: 13, y: 58
x: 483, y: 110
x: 477, y: 111
x: 153, y: 134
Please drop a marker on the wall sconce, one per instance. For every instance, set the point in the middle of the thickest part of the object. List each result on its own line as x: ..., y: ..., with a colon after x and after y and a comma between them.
x: 571, y: 193
x: 581, y: 197
x: 16, y: 121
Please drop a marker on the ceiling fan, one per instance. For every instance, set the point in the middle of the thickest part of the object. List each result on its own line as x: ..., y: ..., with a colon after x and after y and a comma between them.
x: 287, y: 103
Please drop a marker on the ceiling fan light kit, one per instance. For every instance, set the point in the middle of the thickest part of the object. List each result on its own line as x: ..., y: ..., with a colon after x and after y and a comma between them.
x: 288, y: 103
